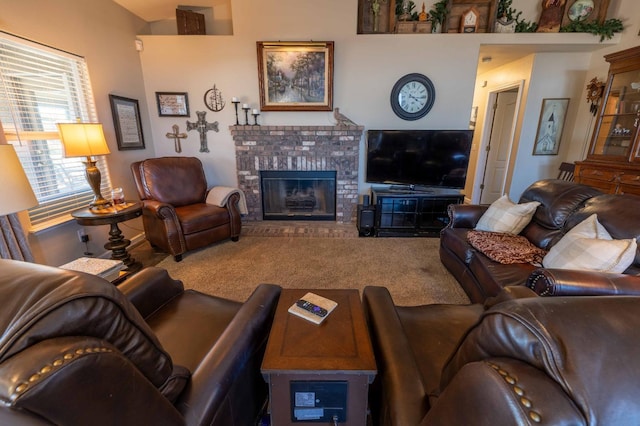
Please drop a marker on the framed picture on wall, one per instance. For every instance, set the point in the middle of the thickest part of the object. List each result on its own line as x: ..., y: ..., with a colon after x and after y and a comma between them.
x: 172, y: 104
x: 552, y: 117
x: 126, y: 120
x: 295, y: 76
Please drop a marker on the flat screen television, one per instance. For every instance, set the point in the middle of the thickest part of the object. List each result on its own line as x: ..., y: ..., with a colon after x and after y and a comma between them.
x: 425, y: 158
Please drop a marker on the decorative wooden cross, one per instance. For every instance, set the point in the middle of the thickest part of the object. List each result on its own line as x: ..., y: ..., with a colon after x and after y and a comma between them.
x: 176, y: 137
x: 202, y: 127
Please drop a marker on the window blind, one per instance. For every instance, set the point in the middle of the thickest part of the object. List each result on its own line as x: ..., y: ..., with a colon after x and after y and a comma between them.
x: 39, y: 87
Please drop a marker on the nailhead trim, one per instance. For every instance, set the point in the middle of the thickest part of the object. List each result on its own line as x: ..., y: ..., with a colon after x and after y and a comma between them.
x: 526, y: 402
x: 548, y: 289
x: 56, y: 364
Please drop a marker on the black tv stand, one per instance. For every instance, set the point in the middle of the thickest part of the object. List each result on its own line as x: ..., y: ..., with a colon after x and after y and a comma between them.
x: 410, y: 188
x: 406, y: 213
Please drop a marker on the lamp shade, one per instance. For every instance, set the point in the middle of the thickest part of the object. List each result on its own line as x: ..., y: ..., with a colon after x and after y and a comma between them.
x: 15, y: 190
x: 82, y: 139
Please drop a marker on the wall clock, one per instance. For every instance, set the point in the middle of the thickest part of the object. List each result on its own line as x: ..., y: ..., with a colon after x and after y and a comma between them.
x: 412, y: 96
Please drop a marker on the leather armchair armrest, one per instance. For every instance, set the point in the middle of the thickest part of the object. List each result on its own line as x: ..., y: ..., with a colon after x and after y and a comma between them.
x: 225, y: 380
x: 150, y: 289
x: 162, y: 226
x: 234, y: 214
x: 565, y: 282
x: 157, y: 207
x: 502, y: 391
x: 404, y: 400
x: 465, y: 215
x: 81, y: 380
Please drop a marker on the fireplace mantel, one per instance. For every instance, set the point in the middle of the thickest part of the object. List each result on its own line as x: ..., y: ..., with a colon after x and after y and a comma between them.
x: 322, y: 148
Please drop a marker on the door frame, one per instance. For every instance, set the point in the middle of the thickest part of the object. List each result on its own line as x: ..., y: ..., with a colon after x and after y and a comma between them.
x: 486, y: 137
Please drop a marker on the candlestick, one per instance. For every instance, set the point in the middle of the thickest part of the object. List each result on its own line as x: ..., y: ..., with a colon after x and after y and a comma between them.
x: 235, y: 103
x: 255, y: 117
x: 246, y: 109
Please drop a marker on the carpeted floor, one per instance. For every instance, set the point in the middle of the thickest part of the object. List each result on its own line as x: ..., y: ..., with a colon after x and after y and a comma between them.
x: 409, y: 267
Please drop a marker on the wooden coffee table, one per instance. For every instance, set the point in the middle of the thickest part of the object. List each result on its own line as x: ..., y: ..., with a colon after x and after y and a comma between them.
x: 314, y: 371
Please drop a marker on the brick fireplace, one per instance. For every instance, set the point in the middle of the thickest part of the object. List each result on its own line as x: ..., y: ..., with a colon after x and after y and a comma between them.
x: 299, y: 148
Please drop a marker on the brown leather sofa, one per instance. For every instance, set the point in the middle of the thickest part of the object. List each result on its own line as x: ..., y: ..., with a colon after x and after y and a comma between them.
x: 563, y: 205
x: 520, y: 359
x: 176, y: 218
x: 76, y: 350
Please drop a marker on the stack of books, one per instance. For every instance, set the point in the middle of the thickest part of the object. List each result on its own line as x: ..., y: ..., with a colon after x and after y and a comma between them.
x: 108, y: 269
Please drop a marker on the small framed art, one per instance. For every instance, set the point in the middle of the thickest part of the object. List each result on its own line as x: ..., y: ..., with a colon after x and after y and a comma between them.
x: 295, y: 76
x: 552, y: 117
x: 172, y: 104
x: 126, y: 120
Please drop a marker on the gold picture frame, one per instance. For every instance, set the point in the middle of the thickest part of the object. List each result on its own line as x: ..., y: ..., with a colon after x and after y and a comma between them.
x: 295, y: 76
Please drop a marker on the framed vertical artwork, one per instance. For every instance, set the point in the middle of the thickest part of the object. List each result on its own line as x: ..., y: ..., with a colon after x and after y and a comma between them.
x: 126, y: 120
x: 295, y: 76
x: 552, y: 117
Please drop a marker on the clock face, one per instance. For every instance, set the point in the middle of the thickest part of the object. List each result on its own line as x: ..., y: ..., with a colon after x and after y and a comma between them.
x: 412, y: 96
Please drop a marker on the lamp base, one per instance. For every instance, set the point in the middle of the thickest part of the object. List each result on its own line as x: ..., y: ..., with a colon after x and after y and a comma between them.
x: 92, y: 173
x: 99, y: 203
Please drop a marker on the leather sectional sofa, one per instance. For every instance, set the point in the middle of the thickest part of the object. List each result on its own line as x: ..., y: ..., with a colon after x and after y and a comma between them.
x: 76, y: 350
x: 563, y: 205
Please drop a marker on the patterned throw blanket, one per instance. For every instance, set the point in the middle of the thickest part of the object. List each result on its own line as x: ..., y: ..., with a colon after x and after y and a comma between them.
x: 505, y: 248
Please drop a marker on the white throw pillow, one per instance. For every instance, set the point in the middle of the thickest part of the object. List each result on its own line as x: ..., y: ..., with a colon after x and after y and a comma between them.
x: 588, y: 246
x: 503, y: 215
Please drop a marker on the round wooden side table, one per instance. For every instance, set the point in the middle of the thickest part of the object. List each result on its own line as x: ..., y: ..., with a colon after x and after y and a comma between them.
x: 111, y: 216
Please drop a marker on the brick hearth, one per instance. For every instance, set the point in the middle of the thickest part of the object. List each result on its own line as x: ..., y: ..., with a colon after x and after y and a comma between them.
x: 300, y: 148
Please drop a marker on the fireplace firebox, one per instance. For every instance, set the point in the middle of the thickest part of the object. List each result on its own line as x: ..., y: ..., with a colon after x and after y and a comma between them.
x: 298, y: 195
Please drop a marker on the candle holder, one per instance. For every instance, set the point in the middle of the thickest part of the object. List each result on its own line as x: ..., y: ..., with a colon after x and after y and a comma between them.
x: 235, y: 104
x: 255, y: 118
x: 246, y: 115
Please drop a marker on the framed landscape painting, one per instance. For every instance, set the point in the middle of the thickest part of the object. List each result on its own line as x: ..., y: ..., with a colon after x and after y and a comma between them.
x: 295, y: 76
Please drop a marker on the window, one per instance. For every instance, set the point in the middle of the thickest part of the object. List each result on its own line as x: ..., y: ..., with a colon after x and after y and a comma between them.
x: 39, y: 87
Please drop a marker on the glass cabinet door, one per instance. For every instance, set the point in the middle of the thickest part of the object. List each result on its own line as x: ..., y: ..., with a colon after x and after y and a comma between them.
x: 619, y: 117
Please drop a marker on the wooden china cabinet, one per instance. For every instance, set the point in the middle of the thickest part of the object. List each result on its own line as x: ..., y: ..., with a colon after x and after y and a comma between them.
x: 613, y: 162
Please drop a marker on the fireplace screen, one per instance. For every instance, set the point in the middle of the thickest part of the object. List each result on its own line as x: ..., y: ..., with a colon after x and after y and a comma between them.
x: 298, y: 195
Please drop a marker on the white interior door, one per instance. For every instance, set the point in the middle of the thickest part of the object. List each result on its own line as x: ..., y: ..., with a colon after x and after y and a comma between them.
x: 499, y: 147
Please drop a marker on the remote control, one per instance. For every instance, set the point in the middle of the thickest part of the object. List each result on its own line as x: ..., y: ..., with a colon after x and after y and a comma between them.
x: 310, y: 307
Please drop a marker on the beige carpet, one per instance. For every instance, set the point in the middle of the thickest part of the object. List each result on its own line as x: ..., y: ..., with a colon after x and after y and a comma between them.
x: 409, y: 267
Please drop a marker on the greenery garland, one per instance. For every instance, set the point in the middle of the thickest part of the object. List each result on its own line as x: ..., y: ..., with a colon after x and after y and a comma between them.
x: 604, y: 30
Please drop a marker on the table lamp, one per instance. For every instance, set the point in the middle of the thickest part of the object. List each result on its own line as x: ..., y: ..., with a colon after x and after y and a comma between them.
x: 15, y: 192
x: 86, y: 140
